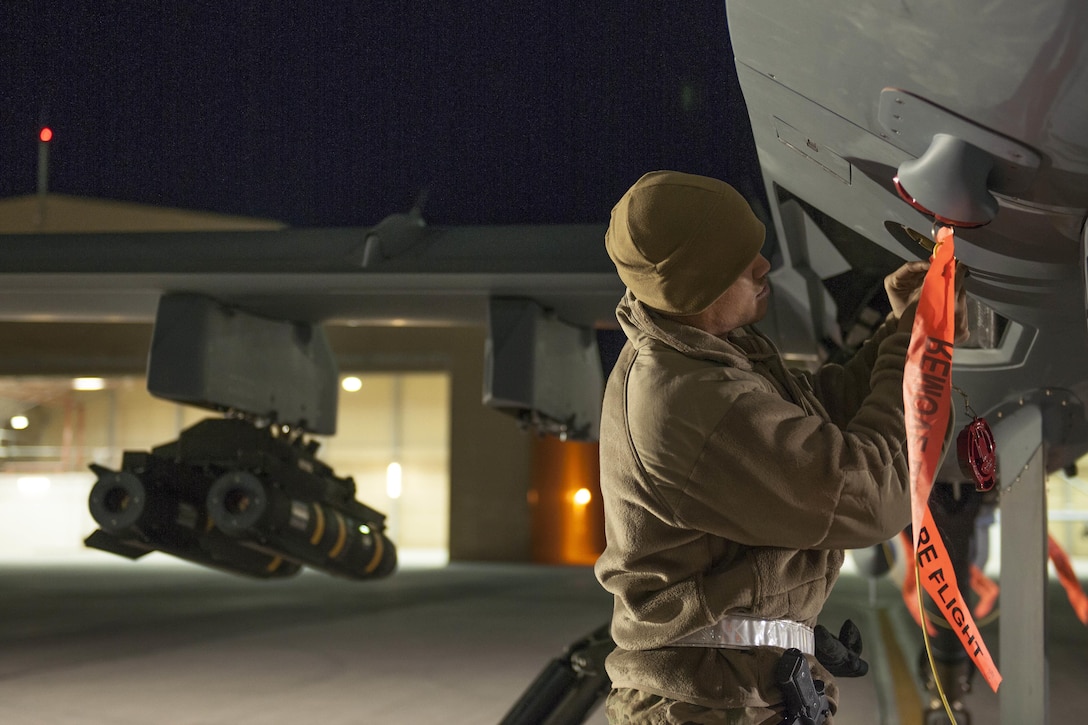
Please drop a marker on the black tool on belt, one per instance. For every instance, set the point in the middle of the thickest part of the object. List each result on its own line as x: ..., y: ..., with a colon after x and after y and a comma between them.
x: 806, y: 703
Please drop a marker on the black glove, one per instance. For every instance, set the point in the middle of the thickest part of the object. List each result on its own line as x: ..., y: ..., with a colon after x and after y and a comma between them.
x: 841, y: 656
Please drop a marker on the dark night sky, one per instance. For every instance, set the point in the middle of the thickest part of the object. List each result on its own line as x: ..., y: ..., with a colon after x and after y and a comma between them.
x: 330, y: 114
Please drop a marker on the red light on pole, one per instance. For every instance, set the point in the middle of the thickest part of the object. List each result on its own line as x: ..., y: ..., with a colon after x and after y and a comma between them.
x: 44, y: 137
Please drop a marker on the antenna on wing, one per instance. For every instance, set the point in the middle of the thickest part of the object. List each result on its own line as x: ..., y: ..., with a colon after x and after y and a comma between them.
x: 394, y: 234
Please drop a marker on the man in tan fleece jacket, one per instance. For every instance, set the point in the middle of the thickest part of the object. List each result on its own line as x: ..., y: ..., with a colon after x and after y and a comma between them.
x: 731, y: 483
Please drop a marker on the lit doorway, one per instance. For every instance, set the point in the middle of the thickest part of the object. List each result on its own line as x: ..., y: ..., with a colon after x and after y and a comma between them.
x: 393, y: 439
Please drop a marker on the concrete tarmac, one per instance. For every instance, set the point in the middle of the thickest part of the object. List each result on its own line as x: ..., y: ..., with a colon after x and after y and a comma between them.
x: 131, y: 643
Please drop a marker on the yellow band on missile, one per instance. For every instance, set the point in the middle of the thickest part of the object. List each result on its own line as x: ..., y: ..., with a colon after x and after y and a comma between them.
x: 341, y: 535
x: 319, y: 524
x: 378, y: 550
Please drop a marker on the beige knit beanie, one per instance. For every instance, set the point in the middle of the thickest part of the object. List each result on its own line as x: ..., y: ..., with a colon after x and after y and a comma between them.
x: 680, y: 240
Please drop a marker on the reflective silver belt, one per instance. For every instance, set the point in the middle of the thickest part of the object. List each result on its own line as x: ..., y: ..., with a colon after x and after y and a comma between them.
x: 737, y: 632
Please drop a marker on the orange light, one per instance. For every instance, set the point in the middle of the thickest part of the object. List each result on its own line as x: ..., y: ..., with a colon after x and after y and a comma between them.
x: 46, y: 135
x: 568, y: 516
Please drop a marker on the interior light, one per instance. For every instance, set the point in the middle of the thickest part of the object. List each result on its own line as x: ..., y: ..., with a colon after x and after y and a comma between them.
x: 88, y: 384
x: 582, y: 496
x: 352, y: 384
x: 19, y: 422
x: 393, y: 485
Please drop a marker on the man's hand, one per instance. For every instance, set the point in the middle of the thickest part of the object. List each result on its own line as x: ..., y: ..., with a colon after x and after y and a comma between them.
x: 841, y: 655
x: 904, y: 286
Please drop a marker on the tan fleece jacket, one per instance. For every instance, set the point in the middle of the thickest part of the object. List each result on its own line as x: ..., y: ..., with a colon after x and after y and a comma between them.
x: 732, y: 485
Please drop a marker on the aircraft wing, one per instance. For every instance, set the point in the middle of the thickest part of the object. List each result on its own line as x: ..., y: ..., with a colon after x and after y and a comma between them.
x: 400, y: 270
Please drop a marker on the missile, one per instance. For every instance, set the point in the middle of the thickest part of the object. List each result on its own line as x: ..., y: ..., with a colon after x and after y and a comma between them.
x: 263, y: 515
x: 241, y: 497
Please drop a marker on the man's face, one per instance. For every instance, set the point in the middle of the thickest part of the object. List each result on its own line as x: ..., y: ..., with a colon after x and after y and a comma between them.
x: 743, y: 303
